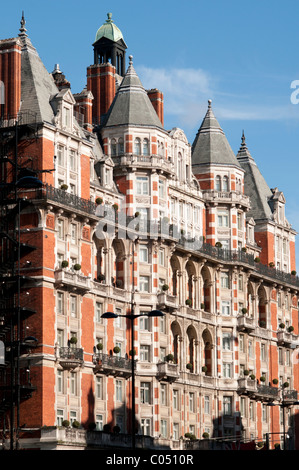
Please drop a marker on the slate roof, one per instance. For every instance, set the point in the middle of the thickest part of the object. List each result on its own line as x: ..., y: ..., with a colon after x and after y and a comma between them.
x: 210, y: 145
x: 131, y: 105
x: 37, y: 85
x: 255, y: 185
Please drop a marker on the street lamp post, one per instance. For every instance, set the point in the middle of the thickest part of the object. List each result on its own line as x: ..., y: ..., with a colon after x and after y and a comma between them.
x: 283, y: 405
x: 131, y: 317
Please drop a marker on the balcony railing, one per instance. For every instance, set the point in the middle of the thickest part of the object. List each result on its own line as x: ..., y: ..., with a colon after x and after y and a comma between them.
x: 154, y: 228
x: 72, y: 279
x: 67, y: 199
x: 288, y: 339
x: 245, y: 323
x: 165, y: 300
x: 70, y: 357
x: 167, y: 371
x: 266, y: 392
x: 290, y: 396
x: 113, y: 365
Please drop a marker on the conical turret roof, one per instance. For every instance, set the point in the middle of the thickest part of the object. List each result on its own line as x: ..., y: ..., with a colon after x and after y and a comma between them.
x: 255, y: 185
x: 131, y: 105
x: 210, y: 145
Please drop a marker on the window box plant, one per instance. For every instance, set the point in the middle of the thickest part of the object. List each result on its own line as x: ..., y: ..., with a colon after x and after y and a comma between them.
x: 252, y: 376
x: 116, y: 349
x: 73, y: 340
x: 169, y: 357
x: 275, y: 381
x: 218, y: 244
x: 64, y: 187
x: 65, y: 423
x: 202, y: 306
x: 165, y: 287
x: 100, y: 347
x: 189, y: 366
x: 189, y: 302
x: 281, y: 325
x: 244, y: 310
x: 204, y: 369
x: 77, y: 267
x: 263, y: 378
x: 290, y: 329
x: 257, y: 259
x: 206, y: 435
x: 293, y: 273
x: 75, y: 424
x: 99, y: 201
x: 64, y: 264
x: 115, y: 207
x: 246, y: 372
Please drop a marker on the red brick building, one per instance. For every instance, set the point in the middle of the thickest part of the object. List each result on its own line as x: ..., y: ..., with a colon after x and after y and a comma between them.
x: 102, y: 209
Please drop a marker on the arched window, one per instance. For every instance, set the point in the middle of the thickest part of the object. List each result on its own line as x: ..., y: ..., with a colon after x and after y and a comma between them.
x: 137, y: 146
x: 113, y: 147
x: 218, y: 183
x: 120, y: 146
x: 145, y: 149
x: 225, y: 184
x: 160, y: 149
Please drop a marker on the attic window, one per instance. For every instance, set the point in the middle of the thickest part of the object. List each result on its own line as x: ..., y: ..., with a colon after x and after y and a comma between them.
x: 67, y: 117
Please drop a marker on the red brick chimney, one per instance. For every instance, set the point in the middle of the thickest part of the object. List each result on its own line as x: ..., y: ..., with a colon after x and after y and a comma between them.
x: 83, y: 109
x: 157, y: 100
x: 10, y: 76
x: 101, y: 83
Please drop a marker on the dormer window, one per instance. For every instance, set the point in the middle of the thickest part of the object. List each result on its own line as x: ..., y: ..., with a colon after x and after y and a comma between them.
x: 67, y: 117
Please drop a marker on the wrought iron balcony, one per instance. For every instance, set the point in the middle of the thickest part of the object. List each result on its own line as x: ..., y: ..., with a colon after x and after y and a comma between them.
x: 266, y: 392
x: 256, y: 390
x: 70, y: 357
x: 289, y: 396
x: 167, y: 371
x: 67, y: 199
x: 113, y: 365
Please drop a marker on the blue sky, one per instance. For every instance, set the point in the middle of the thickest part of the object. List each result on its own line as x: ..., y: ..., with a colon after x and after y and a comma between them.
x: 242, y: 55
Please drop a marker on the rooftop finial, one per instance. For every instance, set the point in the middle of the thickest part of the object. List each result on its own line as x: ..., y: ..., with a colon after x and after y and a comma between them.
x: 131, y: 60
x: 210, y: 103
x: 22, y: 28
x: 109, y: 16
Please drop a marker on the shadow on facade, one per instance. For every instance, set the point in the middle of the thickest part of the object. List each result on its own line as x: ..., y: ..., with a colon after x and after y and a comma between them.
x: 113, y: 433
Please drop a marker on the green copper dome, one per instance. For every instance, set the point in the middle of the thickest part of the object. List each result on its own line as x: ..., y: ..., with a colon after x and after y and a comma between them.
x: 109, y: 30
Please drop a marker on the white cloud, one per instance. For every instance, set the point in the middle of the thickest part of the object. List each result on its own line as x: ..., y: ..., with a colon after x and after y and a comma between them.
x: 186, y: 92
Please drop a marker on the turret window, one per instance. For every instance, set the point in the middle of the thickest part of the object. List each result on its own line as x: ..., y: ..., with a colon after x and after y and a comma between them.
x: 225, y: 184
x: 145, y: 147
x: 113, y: 147
x: 137, y: 146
